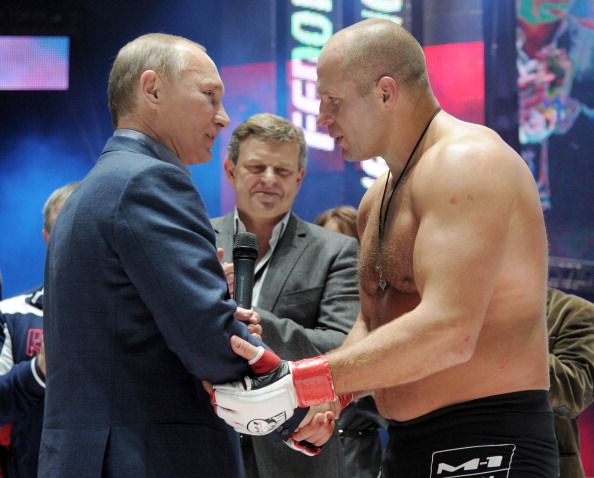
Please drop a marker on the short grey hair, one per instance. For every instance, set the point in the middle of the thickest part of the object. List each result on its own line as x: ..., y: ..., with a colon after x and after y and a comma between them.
x: 159, y: 52
x: 54, y: 201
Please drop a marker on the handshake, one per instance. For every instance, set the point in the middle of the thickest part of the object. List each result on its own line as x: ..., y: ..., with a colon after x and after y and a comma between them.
x: 259, y: 404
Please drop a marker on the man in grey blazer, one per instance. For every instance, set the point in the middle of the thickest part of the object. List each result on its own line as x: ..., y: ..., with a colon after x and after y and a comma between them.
x: 306, y: 277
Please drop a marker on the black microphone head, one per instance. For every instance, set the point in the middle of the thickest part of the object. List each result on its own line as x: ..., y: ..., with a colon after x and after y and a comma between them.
x: 246, y: 246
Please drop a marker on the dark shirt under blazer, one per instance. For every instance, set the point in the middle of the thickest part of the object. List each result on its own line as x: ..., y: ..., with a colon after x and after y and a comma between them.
x: 308, y: 303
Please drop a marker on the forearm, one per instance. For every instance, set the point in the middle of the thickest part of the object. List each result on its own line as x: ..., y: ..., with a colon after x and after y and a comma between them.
x: 19, y: 391
x: 571, y: 352
x: 359, y: 332
x: 571, y: 388
x: 404, y: 350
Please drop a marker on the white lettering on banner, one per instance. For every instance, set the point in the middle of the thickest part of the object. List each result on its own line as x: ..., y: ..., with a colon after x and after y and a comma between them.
x: 322, y: 5
x: 386, y: 6
x: 310, y: 29
x: 388, y: 9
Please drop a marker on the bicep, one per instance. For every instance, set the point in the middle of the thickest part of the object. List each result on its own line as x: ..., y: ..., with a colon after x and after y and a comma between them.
x: 462, y: 233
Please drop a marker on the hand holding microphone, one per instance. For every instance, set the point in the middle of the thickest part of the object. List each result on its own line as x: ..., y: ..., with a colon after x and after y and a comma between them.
x: 245, y: 252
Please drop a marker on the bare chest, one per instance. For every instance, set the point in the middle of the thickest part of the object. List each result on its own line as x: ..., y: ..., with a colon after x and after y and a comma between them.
x: 386, y: 259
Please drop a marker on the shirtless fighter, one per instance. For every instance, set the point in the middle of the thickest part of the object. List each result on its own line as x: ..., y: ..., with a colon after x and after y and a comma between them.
x: 451, y: 337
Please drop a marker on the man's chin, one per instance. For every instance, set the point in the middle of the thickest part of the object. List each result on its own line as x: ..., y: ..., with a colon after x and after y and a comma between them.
x: 199, y: 159
x: 349, y: 157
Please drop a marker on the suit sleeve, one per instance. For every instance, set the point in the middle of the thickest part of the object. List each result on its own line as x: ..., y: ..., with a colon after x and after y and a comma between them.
x: 335, y: 313
x: 166, y: 244
x: 571, y: 358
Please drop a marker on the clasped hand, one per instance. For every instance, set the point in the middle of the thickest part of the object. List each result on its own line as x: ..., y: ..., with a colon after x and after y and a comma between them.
x: 259, y: 404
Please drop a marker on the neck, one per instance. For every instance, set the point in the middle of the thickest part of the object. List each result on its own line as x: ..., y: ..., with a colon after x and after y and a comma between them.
x: 415, y: 117
x: 262, y: 228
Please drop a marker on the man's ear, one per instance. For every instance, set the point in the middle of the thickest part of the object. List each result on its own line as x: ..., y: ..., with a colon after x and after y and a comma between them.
x: 300, y: 176
x: 388, y: 89
x: 229, y: 168
x: 150, y: 87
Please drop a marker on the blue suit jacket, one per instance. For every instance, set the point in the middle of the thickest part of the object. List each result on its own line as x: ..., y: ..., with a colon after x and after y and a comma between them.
x: 137, y: 312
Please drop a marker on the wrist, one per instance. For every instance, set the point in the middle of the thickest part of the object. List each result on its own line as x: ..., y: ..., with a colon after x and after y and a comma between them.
x: 345, y: 399
x: 38, y: 369
x: 313, y: 381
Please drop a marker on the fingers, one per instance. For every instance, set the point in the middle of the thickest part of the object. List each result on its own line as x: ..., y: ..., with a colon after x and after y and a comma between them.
x: 247, y: 315
x: 243, y: 348
x: 318, y: 431
x: 228, y: 270
x: 41, y: 358
x: 255, y: 330
x: 207, y: 386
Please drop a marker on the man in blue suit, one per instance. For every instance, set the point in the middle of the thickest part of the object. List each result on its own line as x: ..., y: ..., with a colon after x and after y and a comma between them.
x: 137, y: 310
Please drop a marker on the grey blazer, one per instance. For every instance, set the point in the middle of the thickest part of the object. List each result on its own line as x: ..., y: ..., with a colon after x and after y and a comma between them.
x: 308, y: 303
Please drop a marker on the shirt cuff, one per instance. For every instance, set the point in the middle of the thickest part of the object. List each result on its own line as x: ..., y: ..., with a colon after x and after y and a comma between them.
x: 36, y: 375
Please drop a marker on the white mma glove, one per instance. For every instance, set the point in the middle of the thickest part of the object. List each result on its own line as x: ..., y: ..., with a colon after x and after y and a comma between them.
x: 258, y: 405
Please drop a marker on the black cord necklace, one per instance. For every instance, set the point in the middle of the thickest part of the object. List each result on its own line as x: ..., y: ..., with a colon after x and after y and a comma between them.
x: 383, y: 217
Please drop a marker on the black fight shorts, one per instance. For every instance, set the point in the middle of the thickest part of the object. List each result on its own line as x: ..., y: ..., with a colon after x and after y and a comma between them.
x: 503, y: 436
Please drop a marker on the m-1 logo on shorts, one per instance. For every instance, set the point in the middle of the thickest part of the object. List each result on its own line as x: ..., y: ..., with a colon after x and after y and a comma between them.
x: 485, y: 461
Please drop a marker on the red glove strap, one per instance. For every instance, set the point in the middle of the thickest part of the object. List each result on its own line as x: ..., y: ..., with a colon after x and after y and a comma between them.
x: 345, y: 399
x: 313, y: 381
x: 265, y: 363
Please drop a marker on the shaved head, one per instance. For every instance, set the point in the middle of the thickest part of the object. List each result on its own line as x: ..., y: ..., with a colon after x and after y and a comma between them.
x: 374, y: 48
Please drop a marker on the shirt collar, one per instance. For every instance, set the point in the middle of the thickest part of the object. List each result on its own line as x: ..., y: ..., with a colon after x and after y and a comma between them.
x: 277, y: 231
x: 161, y: 151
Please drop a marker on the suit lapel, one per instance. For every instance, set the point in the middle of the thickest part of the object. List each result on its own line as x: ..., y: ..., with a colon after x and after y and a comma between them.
x: 224, y: 230
x: 287, y: 253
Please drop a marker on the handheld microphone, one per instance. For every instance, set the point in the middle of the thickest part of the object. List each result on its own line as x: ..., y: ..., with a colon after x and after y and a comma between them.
x: 245, y: 252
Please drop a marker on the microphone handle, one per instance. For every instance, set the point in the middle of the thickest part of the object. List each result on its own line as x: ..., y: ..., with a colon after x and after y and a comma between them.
x: 244, y: 282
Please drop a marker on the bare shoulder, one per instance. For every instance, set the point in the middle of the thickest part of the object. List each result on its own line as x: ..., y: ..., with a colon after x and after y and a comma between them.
x: 473, y: 160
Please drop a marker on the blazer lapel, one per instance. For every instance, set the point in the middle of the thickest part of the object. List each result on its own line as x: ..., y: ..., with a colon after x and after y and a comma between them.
x: 287, y: 253
x: 224, y: 231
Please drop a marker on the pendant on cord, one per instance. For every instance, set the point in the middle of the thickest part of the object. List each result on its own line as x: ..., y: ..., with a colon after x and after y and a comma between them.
x: 382, y: 281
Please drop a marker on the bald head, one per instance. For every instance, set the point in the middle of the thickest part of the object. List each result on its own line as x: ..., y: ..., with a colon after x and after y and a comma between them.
x: 374, y: 48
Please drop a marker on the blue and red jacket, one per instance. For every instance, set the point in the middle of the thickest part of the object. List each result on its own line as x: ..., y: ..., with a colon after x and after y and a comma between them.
x: 21, y: 387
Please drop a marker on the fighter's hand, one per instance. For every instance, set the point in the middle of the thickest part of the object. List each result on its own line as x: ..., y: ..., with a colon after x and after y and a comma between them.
x: 258, y: 405
x: 314, y: 431
x: 252, y: 319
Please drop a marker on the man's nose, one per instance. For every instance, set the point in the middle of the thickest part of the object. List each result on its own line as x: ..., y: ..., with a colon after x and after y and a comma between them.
x: 222, y: 119
x: 324, y: 119
x: 268, y: 174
